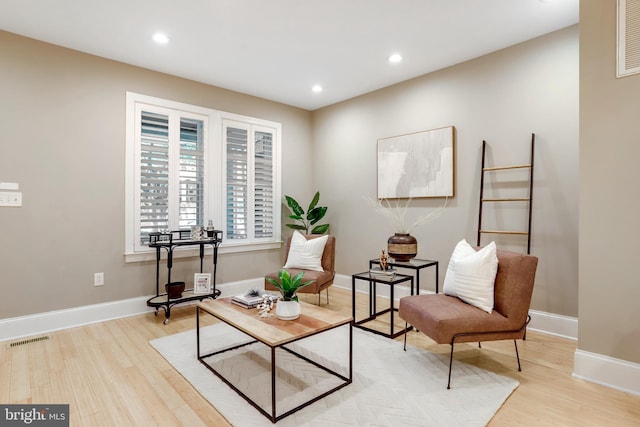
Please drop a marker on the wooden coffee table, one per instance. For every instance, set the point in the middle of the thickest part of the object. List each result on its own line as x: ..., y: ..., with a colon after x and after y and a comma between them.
x: 275, y: 333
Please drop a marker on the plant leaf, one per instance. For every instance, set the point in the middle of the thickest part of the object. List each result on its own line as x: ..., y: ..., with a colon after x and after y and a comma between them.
x: 288, y: 286
x: 316, y: 214
x: 294, y: 206
x: 296, y: 226
x: 320, y: 229
x: 298, y: 278
x: 314, y: 201
x: 284, y: 276
x: 272, y: 281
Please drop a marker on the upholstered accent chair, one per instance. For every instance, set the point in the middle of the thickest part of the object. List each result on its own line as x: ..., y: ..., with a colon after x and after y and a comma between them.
x: 449, y: 320
x: 322, y: 279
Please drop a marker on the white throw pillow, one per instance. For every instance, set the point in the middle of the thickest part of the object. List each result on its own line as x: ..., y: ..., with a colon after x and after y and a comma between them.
x: 462, y: 250
x: 475, y: 277
x: 306, y: 254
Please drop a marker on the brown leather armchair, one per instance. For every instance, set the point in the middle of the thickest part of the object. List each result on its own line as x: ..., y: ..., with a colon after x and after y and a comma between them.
x: 449, y: 320
x: 322, y: 279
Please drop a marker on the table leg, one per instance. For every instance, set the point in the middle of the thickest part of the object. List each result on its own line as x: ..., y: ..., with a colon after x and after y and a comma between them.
x: 169, y: 263
x: 273, y: 384
x: 437, y: 277
x: 215, y: 267
x: 391, y: 302
x: 353, y: 298
x: 201, y: 255
x: 351, y: 350
x: 198, y: 331
x: 157, y: 271
x: 372, y: 298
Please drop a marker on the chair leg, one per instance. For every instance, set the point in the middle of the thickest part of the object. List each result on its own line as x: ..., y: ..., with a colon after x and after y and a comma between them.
x: 405, y: 336
x: 517, y: 355
x: 450, y: 363
x: 524, y: 337
x: 319, y: 297
x: 327, y: 296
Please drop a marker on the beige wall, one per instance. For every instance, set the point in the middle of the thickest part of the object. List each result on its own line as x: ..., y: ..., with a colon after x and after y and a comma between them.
x: 609, y: 178
x: 62, y: 138
x: 64, y: 107
x: 502, y: 98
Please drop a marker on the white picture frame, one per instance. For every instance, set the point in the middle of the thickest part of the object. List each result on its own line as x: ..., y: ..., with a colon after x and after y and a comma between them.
x: 415, y: 165
x: 202, y: 283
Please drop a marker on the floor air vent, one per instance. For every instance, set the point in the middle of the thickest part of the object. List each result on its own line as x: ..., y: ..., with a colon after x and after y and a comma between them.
x: 28, y: 341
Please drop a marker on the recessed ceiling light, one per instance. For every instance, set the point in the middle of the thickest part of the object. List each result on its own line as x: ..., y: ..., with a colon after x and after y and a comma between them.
x: 395, y: 58
x: 317, y: 88
x: 160, y: 38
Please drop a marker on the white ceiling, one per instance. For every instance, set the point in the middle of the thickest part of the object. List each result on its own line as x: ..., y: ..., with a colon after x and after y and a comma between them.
x: 279, y: 49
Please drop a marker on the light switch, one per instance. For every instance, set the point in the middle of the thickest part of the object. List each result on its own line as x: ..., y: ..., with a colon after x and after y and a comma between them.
x: 9, y: 186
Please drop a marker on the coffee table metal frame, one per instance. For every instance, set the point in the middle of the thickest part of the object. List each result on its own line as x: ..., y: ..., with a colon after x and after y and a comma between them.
x: 269, y: 341
x: 373, y: 279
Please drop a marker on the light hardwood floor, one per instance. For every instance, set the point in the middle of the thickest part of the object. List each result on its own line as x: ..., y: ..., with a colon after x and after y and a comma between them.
x: 111, y: 376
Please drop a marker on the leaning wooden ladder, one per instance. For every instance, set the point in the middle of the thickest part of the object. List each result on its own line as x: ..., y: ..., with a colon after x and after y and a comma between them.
x: 529, y: 199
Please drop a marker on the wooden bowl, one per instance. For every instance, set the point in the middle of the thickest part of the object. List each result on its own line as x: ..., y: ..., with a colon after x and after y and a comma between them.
x: 174, y: 289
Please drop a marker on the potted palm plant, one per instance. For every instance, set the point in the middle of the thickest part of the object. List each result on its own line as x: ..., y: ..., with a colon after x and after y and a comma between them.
x: 307, y: 221
x: 288, y: 308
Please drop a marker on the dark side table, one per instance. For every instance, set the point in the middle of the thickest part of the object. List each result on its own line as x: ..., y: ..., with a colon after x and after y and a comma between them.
x: 373, y: 279
x: 414, y: 264
x: 167, y: 242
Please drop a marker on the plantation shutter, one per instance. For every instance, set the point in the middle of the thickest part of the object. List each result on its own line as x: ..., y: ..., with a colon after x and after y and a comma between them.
x: 263, y: 182
x: 172, y: 168
x: 154, y: 174
x: 250, y: 200
x: 191, y: 170
x: 237, y: 181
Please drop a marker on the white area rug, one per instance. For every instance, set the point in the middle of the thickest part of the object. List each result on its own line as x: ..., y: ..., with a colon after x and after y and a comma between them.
x: 390, y: 387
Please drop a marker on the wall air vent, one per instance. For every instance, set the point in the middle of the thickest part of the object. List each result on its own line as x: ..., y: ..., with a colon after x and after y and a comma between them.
x: 628, y: 37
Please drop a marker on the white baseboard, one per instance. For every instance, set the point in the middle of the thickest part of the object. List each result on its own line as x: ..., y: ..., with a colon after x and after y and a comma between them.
x: 614, y: 373
x: 553, y: 324
x: 607, y: 371
x: 42, y: 323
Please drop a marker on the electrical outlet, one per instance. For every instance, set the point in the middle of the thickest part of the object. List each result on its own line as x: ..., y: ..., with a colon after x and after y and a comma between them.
x: 98, y: 279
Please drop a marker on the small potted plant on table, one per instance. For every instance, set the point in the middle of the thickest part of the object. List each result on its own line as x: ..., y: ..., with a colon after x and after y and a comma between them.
x: 288, y: 308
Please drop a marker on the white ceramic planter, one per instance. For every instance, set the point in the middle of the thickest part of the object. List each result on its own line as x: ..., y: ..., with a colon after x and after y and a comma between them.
x: 287, y: 310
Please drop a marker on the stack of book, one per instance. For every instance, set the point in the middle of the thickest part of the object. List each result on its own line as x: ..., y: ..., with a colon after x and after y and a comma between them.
x: 247, y: 301
x: 378, y: 272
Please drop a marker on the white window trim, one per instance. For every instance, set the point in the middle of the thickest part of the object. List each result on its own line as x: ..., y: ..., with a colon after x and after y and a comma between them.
x: 214, y: 184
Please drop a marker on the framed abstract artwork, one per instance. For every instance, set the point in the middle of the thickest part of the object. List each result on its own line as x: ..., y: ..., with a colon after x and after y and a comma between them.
x: 418, y: 164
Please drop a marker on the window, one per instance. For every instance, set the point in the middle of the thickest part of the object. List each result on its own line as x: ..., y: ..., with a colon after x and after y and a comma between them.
x: 171, y: 191
x: 187, y: 165
x: 249, y: 181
